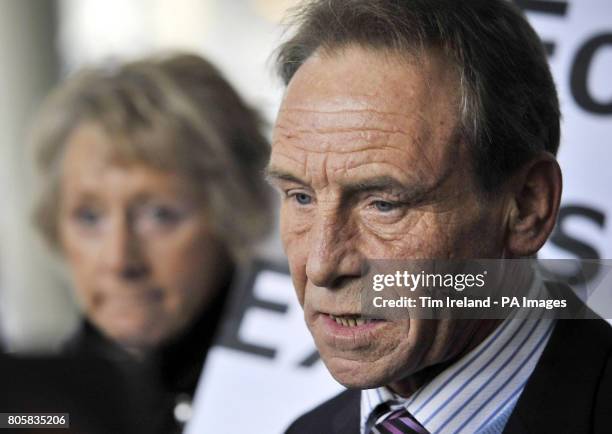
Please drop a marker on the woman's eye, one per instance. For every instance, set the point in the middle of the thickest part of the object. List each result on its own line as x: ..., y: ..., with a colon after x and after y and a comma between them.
x: 87, y: 216
x: 303, y: 198
x: 164, y: 214
x: 384, y: 206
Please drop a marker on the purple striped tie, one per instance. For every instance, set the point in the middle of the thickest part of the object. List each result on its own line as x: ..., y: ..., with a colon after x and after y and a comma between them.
x: 399, y: 422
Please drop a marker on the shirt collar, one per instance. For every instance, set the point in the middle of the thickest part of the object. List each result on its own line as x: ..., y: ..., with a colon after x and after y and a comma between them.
x: 474, y: 390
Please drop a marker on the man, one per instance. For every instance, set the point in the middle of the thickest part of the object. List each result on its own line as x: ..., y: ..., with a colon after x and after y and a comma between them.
x: 427, y: 129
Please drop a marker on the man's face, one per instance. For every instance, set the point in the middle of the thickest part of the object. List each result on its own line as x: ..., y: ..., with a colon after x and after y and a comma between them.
x: 366, y: 156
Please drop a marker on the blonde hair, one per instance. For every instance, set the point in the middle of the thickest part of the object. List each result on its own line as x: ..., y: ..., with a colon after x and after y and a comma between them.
x: 175, y: 113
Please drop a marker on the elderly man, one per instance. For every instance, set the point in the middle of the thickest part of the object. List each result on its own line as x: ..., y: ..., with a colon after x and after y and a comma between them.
x: 427, y: 129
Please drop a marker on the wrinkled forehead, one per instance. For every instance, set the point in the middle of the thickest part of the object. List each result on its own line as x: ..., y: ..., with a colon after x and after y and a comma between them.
x: 359, y: 105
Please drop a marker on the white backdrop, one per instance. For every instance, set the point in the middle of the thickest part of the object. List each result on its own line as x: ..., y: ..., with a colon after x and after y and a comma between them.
x: 582, y: 67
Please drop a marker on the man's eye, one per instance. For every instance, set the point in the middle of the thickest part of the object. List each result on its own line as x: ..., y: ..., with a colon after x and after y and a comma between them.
x: 384, y: 206
x: 302, y: 198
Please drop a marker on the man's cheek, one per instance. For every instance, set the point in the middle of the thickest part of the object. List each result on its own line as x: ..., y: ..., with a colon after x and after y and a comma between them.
x: 433, y: 236
x: 296, y: 248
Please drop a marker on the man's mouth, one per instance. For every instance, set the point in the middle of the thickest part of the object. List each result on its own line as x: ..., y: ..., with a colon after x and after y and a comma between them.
x: 347, y: 331
x: 351, y: 320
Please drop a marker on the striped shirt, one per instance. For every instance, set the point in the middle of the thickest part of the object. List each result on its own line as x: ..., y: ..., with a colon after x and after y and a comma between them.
x: 477, y: 393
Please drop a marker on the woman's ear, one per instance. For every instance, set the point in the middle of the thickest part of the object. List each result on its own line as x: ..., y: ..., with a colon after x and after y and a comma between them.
x: 536, y: 197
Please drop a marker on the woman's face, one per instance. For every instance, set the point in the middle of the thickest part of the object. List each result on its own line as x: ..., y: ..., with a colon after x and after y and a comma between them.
x: 141, y: 251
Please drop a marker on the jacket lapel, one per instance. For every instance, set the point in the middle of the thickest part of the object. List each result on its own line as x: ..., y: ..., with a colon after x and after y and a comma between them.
x: 346, y: 419
x: 559, y: 395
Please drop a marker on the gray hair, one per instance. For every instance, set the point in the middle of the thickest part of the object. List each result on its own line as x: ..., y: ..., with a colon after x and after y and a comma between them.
x: 509, y: 109
x: 175, y: 113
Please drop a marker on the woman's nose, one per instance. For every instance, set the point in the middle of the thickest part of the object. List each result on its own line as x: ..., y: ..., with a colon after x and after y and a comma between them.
x: 123, y: 251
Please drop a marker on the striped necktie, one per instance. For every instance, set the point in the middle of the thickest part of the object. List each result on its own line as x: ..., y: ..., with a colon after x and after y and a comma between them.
x: 397, y: 422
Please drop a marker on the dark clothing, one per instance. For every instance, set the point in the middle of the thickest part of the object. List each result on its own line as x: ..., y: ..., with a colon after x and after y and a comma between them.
x: 339, y: 415
x: 569, y: 391
x: 93, y: 394
x: 163, y: 378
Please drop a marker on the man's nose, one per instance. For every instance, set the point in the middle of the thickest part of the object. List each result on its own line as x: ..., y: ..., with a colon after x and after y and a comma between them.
x: 123, y: 255
x: 332, y: 254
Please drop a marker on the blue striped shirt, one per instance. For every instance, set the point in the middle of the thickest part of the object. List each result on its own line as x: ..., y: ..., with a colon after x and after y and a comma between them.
x: 477, y: 393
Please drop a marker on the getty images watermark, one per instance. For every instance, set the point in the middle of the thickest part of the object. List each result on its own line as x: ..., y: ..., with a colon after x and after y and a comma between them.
x: 487, y: 288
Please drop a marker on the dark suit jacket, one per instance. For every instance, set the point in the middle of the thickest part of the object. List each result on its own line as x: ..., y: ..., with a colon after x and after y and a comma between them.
x: 569, y: 391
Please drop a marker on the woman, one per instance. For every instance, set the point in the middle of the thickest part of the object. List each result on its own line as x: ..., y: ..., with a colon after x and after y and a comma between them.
x: 153, y: 195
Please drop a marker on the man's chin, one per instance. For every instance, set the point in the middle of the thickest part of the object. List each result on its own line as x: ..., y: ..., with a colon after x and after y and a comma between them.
x: 355, y: 374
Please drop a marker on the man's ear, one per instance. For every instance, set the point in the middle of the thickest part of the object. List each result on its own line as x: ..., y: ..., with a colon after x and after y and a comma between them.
x: 536, y: 190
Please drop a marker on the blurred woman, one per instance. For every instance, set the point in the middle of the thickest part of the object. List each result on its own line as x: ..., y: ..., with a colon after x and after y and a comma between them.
x: 153, y: 194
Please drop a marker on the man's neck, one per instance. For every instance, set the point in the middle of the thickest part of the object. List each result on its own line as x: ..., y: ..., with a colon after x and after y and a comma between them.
x: 408, y: 386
